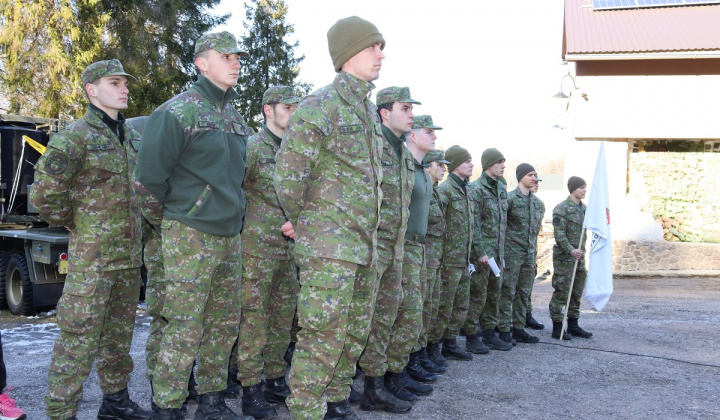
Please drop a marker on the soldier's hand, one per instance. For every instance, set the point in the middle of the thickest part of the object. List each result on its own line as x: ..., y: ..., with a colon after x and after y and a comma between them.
x: 484, y: 260
x: 577, y: 253
x: 288, y: 230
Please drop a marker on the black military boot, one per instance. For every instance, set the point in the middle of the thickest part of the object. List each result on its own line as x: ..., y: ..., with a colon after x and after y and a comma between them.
x: 575, y: 330
x: 557, y: 328
x: 212, y: 407
x: 522, y: 336
x: 507, y: 337
x: 533, y: 323
x: 192, y: 392
x: 355, y: 396
x: 233, y: 385
x: 276, y: 390
x: 340, y: 411
x: 168, y: 414
x: 475, y: 345
x: 435, y: 355
x: 120, y: 406
x: 414, y: 386
x: 417, y: 372
x: 395, y: 384
x: 254, y: 403
x: 376, y: 397
x: 492, y: 341
x: 428, y: 364
x: 451, y: 350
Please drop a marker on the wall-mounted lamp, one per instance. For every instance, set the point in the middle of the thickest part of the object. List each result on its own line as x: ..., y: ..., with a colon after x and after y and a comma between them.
x: 561, y: 94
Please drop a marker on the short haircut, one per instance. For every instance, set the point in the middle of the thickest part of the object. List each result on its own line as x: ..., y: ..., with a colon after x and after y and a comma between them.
x: 262, y: 110
x: 388, y: 106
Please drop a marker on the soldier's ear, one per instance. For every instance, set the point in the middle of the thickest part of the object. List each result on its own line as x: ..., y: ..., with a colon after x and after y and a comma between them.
x: 90, y: 90
x: 201, y: 64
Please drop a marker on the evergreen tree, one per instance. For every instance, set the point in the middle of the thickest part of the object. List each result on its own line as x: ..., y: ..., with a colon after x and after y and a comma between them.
x: 272, y: 59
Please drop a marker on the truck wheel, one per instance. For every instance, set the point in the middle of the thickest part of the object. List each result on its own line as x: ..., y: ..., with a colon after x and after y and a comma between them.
x: 18, y: 286
x: 3, y: 270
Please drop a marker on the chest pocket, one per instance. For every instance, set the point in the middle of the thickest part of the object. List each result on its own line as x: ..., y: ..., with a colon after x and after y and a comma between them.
x: 459, y: 205
x: 105, y: 157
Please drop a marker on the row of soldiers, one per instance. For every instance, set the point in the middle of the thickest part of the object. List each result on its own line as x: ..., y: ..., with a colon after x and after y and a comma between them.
x: 343, y: 225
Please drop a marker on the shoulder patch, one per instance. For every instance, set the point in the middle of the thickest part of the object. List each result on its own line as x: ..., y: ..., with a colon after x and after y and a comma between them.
x: 556, y: 219
x: 56, y: 163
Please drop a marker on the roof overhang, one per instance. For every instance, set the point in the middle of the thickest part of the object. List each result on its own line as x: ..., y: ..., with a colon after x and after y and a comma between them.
x: 672, y: 55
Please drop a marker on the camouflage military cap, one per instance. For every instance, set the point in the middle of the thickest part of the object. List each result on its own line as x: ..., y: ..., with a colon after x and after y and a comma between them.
x: 424, y: 121
x: 435, y: 156
x: 395, y: 94
x: 104, y: 68
x: 222, y: 42
x: 280, y: 94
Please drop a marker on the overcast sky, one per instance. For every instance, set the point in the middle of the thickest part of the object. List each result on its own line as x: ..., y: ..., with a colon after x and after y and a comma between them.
x: 484, y: 70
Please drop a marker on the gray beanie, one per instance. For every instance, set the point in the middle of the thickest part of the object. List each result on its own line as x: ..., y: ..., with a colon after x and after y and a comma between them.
x: 522, y: 170
x: 349, y: 36
x: 456, y: 155
x: 574, y: 183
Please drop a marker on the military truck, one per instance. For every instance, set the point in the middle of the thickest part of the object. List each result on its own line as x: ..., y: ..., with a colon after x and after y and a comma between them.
x: 33, y: 256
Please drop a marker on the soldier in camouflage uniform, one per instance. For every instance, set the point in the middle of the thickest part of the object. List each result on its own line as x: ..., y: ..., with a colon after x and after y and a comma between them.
x: 327, y: 178
x: 454, y: 272
x: 489, y: 197
x: 568, y: 217
x: 189, y: 173
x: 395, y: 111
x: 435, y: 166
x: 84, y: 182
x: 520, y: 253
x: 530, y: 321
x: 270, y: 282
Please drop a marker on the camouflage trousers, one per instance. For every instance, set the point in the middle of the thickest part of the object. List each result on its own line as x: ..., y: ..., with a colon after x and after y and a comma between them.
x: 335, y: 308
x: 562, y: 276
x: 374, y: 359
x: 96, y: 316
x: 409, y: 323
x: 518, y: 274
x: 268, y: 299
x: 154, y: 299
x: 431, y: 302
x: 202, y: 306
x: 453, y: 307
x: 488, y: 291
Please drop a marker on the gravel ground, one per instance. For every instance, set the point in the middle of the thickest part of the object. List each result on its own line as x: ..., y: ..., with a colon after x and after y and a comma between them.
x: 655, y: 354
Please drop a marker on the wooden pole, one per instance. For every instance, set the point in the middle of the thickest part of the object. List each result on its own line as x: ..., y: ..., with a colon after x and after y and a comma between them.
x: 572, y: 283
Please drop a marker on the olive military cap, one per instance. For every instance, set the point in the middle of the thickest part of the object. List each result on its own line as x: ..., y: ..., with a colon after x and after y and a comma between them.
x: 280, y: 94
x: 435, y: 156
x: 222, y: 42
x: 424, y: 121
x: 103, y: 69
x: 395, y: 94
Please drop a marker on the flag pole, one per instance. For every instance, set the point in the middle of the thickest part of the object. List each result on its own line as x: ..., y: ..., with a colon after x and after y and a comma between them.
x: 572, y: 283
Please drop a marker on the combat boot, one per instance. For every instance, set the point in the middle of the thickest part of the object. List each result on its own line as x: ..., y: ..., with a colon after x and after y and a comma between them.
x: 355, y: 396
x: 492, y: 341
x: 192, y: 392
x: 395, y: 384
x: 507, y: 337
x: 276, y: 390
x: 435, y: 355
x: 575, y: 330
x: 417, y: 372
x: 474, y: 344
x: 428, y: 364
x: 340, y: 411
x: 212, y: 407
x: 414, y: 386
x: 254, y: 404
x: 557, y: 328
x: 169, y: 414
x: 533, y: 323
x: 376, y: 397
x: 451, y: 350
x: 522, y: 336
x: 120, y: 406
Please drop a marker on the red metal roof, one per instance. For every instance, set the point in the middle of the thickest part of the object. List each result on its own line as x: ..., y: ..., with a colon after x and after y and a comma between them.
x: 662, y: 29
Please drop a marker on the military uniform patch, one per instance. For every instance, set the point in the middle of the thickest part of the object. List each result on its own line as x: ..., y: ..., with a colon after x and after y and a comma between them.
x: 351, y: 128
x: 56, y: 163
x: 556, y: 219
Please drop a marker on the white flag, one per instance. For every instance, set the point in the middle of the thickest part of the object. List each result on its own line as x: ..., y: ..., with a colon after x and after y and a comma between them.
x: 597, y: 222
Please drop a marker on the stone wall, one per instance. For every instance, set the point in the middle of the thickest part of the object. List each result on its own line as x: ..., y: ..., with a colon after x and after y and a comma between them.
x: 663, y: 257
x: 680, y: 189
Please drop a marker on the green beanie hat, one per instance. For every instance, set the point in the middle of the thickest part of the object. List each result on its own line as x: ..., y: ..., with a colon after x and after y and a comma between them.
x: 575, y: 182
x: 489, y: 157
x: 456, y: 155
x: 349, y: 36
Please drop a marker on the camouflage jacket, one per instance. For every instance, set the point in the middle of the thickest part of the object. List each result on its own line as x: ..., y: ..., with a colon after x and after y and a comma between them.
x: 490, y: 200
x: 192, y: 161
x: 328, y: 172
x: 261, y: 233
x: 539, y: 215
x: 83, y: 181
x: 458, y: 213
x: 567, y: 226
x: 522, y: 224
x: 435, y: 230
x: 397, y: 184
